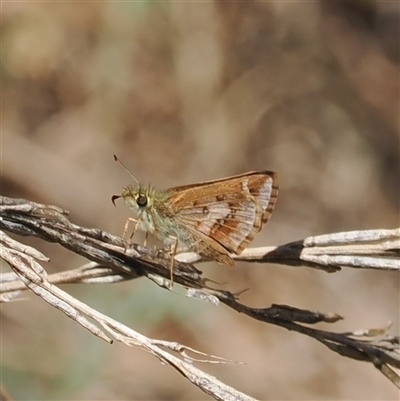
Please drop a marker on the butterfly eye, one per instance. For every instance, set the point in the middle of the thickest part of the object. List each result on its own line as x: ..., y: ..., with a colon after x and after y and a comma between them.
x: 141, y: 201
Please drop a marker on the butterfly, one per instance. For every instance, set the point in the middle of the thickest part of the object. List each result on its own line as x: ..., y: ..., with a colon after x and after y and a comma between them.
x: 214, y: 219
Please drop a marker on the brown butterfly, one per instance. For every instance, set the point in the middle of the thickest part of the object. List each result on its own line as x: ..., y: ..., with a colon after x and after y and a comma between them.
x: 213, y: 218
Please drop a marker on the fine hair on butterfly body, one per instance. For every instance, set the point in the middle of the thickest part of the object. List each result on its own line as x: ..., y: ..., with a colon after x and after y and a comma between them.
x: 212, y: 218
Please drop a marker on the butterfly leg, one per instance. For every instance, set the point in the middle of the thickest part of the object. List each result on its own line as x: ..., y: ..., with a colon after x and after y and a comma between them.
x: 130, y: 220
x: 174, y: 248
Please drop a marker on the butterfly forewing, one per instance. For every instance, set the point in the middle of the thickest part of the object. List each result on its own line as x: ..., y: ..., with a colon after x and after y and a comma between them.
x: 228, y: 211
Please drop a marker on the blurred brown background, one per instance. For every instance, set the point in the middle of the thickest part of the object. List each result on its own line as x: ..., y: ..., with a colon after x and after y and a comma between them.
x: 185, y: 92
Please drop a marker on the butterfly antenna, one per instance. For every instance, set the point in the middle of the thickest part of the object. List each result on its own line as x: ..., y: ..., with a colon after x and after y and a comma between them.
x: 126, y: 168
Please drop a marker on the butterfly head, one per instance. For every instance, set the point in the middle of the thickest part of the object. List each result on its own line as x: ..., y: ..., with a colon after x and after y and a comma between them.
x: 138, y: 199
x: 141, y: 201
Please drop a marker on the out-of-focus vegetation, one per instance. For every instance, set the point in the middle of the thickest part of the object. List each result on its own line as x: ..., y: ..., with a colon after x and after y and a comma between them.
x: 184, y: 92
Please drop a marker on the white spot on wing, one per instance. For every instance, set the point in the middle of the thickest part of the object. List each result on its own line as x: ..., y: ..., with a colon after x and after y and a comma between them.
x: 265, y: 193
x: 216, y: 211
x: 245, y: 185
